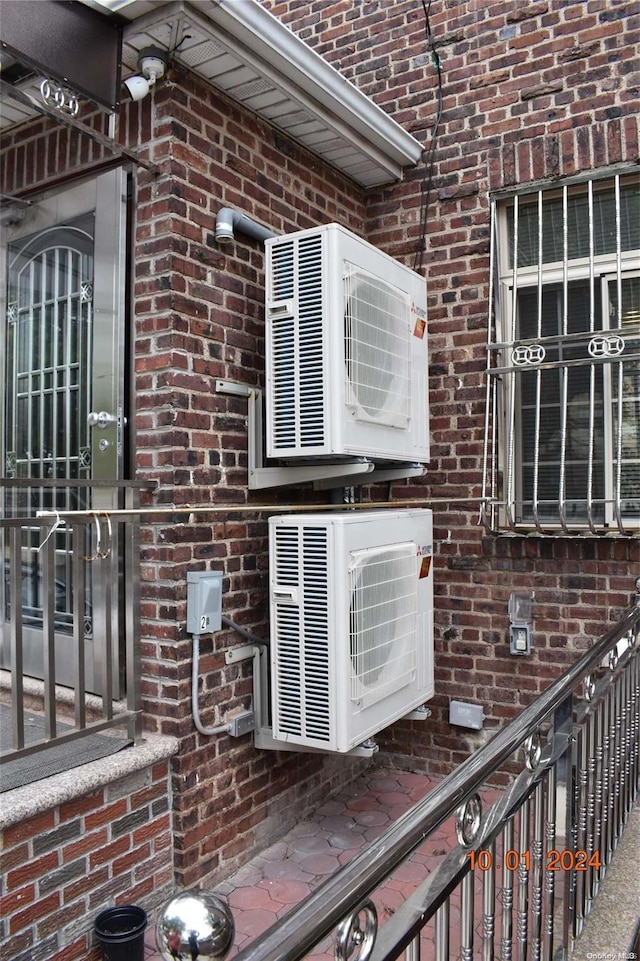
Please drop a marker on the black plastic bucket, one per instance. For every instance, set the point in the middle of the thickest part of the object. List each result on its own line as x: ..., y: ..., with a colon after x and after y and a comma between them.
x: 120, y: 932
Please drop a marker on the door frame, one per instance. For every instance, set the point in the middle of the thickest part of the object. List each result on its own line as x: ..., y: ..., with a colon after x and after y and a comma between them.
x: 107, y: 192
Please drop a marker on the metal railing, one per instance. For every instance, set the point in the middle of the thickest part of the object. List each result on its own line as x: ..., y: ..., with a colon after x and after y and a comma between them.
x: 69, y: 595
x: 523, y: 877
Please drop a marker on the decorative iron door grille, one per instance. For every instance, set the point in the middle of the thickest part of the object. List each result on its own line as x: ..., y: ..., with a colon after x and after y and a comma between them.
x: 62, y: 402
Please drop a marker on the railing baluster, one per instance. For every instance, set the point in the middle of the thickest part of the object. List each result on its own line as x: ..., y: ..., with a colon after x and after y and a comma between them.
x: 412, y: 951
x: 566, y: 837
x: 590, y: 825
x: 608, y: 775
x: 466, y: 917
x: 15, y: 593
x: 581, y: 822
x: 522, y: 937
x: 618, y: 773
x: 106, y: 574
x: 507, y: 894
x: 551, y: 787
x: 78, y: 573
x: 635, y: 724
x: 599, y: 794
x: 442, y: 932
x: 131, y: 601
x: 48, y: 630
x: 489, y: 906
x: 625, y: 793
x: 535, y: 855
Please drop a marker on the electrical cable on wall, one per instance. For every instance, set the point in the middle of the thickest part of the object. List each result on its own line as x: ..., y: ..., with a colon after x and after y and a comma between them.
x: 427, y: 179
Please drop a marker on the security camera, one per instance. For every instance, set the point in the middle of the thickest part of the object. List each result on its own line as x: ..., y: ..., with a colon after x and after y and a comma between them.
x: 152, y: 64
x: 137, y: 87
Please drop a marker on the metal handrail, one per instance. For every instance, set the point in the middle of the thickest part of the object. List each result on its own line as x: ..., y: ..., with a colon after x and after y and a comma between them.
x: 344, y: 892
x: 46, y: 482
x: 112, y: 713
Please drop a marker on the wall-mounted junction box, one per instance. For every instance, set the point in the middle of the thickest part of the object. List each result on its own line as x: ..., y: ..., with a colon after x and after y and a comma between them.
x: 520, y: 632
x: 204, y: 601
x: 466, y: 715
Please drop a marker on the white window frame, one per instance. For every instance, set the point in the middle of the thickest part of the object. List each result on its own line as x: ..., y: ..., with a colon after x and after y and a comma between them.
x: 600, y: 352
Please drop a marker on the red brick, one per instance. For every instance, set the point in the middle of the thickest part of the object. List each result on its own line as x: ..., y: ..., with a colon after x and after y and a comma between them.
x: 89, y: 842
x: 38, y: 910
x: 106, y: 814
x: 9, y: 903
x: 32, y: 870
x: 28, y: 829
x: 110, y: 851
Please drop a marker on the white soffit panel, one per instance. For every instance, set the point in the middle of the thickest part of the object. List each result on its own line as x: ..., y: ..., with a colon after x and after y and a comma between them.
x: 243, y: 50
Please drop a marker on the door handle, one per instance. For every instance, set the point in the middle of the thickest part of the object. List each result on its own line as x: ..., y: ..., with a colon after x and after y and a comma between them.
x: 101, y: 419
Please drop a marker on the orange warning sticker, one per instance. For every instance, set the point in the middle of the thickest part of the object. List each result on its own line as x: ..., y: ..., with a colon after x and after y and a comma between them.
x: 420, y: 328
x: 425, y: 566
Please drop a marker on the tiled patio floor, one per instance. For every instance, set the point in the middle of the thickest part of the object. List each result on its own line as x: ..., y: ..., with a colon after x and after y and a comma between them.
x: 269, y: 885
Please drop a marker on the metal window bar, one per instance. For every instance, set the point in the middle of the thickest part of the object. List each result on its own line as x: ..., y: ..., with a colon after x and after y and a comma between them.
x: 585, y: 721
x: 588, y: 361
x: 105, y: 569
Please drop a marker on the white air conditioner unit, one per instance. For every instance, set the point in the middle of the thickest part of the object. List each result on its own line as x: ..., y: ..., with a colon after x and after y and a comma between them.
x: 351, y: 600
x: 346, y: 350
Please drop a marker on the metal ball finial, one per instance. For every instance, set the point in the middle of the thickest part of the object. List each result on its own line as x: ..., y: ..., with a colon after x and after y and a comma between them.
x: 194, y: 925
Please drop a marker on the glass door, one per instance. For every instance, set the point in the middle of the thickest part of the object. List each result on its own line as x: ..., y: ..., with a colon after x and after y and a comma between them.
x: 63, y: 390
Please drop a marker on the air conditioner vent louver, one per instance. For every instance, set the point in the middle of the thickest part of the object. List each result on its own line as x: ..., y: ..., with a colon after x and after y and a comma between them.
x: 346, y: 350
x: 351, y: 624
x: 297, y: 401
x: 301, y: 633
x: 283, y: 273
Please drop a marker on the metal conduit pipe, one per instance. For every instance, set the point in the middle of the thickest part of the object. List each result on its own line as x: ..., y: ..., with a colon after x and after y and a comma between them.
x: 195, y: 674
x: 195, y: 707
x: 244, y: 632
x: 228, y: 221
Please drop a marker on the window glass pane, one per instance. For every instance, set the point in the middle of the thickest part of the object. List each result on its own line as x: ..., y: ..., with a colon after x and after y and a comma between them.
x: 583, y: 307
x: 577, y: 222
x: 561, y: 410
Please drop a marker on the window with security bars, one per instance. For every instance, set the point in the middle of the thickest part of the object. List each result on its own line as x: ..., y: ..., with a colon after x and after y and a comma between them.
x: 562, y: 451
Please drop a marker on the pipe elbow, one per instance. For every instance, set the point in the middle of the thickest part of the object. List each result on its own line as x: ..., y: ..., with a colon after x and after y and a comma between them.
x: 224, y: 225
x: 228, y: 221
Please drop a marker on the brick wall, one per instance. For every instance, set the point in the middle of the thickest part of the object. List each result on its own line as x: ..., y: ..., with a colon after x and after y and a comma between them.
x: 531, y: 90
x: 62, y: 867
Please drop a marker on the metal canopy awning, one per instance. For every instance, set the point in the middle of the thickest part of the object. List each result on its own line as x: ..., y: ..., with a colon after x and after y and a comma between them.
x: 244, y: 51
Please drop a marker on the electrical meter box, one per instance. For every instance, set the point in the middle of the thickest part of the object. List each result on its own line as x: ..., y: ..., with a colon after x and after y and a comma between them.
x: 204, y: 602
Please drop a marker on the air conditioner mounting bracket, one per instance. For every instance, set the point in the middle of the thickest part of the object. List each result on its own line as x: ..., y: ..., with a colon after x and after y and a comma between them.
x: 263, y: 738
x: 323, y: 475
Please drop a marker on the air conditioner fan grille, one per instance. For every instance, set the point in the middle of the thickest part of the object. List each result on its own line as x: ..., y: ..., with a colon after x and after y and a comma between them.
x: 377, y: 349
x: 383, y: 622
